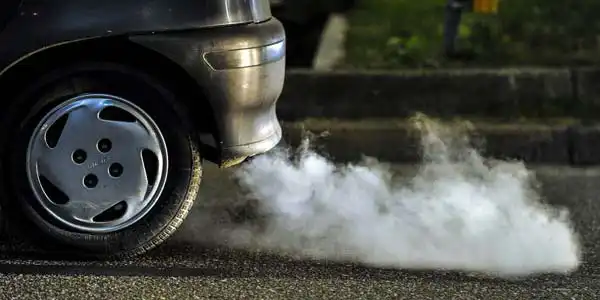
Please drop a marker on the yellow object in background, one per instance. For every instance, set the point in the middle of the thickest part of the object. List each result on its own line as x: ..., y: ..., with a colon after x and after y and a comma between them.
x: 485, y: 6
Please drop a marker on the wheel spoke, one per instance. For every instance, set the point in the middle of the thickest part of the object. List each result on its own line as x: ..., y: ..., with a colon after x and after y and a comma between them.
x: 133, y: 204
x: 80, y: 123
x: 39, y: 148
x: 132, y: 133
x: 56, y: 178
x: 88, y: 210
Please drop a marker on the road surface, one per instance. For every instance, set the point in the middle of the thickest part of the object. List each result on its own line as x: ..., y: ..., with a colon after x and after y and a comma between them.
x: 187, y: 269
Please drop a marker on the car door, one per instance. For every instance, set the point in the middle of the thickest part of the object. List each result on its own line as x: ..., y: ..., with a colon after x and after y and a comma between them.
x: 8, y: 8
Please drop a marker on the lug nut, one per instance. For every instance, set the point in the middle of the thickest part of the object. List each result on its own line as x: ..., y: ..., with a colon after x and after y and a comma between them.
x: 79, y: 156
x: 115, y: 170
x: 104, y: 145
x: 90, y: 181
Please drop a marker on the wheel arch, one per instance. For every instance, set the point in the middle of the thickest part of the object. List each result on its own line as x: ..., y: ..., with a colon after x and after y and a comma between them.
x: 122, y: 51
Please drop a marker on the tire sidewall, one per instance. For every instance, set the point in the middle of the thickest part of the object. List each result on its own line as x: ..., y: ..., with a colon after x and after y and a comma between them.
x: 152, y: 97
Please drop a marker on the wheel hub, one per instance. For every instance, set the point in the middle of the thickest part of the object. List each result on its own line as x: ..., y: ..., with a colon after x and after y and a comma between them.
x: 97, y: 163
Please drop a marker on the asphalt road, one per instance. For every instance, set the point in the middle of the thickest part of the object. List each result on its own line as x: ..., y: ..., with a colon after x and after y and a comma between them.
x: 186, y: 268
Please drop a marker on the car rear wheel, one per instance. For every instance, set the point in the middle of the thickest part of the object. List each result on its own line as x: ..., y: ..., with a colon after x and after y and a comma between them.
x: 104, y: 161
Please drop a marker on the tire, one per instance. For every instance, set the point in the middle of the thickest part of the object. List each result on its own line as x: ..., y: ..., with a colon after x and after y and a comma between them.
x: 158, y: 221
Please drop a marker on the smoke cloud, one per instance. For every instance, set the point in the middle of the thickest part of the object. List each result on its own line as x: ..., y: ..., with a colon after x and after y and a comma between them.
x: 459, y: 211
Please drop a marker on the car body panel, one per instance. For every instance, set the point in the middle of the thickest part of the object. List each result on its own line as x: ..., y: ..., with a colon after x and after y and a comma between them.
x: 233, y: 49
x: 43, y: 23
x: 245, y: 67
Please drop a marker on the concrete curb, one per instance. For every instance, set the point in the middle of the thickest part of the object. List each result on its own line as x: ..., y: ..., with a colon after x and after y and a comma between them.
x: 396, y: 141
x: 498, y: 93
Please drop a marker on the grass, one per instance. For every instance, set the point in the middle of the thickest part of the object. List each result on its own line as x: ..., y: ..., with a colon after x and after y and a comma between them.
x: 400, y: 34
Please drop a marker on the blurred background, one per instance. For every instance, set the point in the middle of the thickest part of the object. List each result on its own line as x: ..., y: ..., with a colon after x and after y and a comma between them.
x: 399, y: 34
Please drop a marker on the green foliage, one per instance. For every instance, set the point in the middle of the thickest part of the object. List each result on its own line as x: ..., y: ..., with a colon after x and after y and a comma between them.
x: 408, y: 33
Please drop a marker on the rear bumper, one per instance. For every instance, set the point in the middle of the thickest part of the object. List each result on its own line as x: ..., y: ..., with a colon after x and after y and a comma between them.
x: 241, y: 70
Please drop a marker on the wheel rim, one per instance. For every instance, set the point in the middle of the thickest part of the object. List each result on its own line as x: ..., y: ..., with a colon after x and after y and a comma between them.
x: 97, y: 163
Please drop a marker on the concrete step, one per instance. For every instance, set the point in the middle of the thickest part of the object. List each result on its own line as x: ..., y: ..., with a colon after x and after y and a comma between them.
x: 497, y: 93
x: 559, y: 141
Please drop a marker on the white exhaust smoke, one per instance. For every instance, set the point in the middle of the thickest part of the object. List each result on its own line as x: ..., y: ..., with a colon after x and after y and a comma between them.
x: 459, y: 212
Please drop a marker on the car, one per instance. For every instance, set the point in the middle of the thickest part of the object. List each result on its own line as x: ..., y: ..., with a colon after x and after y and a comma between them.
x: 110, y: 109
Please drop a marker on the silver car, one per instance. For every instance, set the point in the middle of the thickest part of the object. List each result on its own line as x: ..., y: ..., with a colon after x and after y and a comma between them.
x: 111, y: 107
